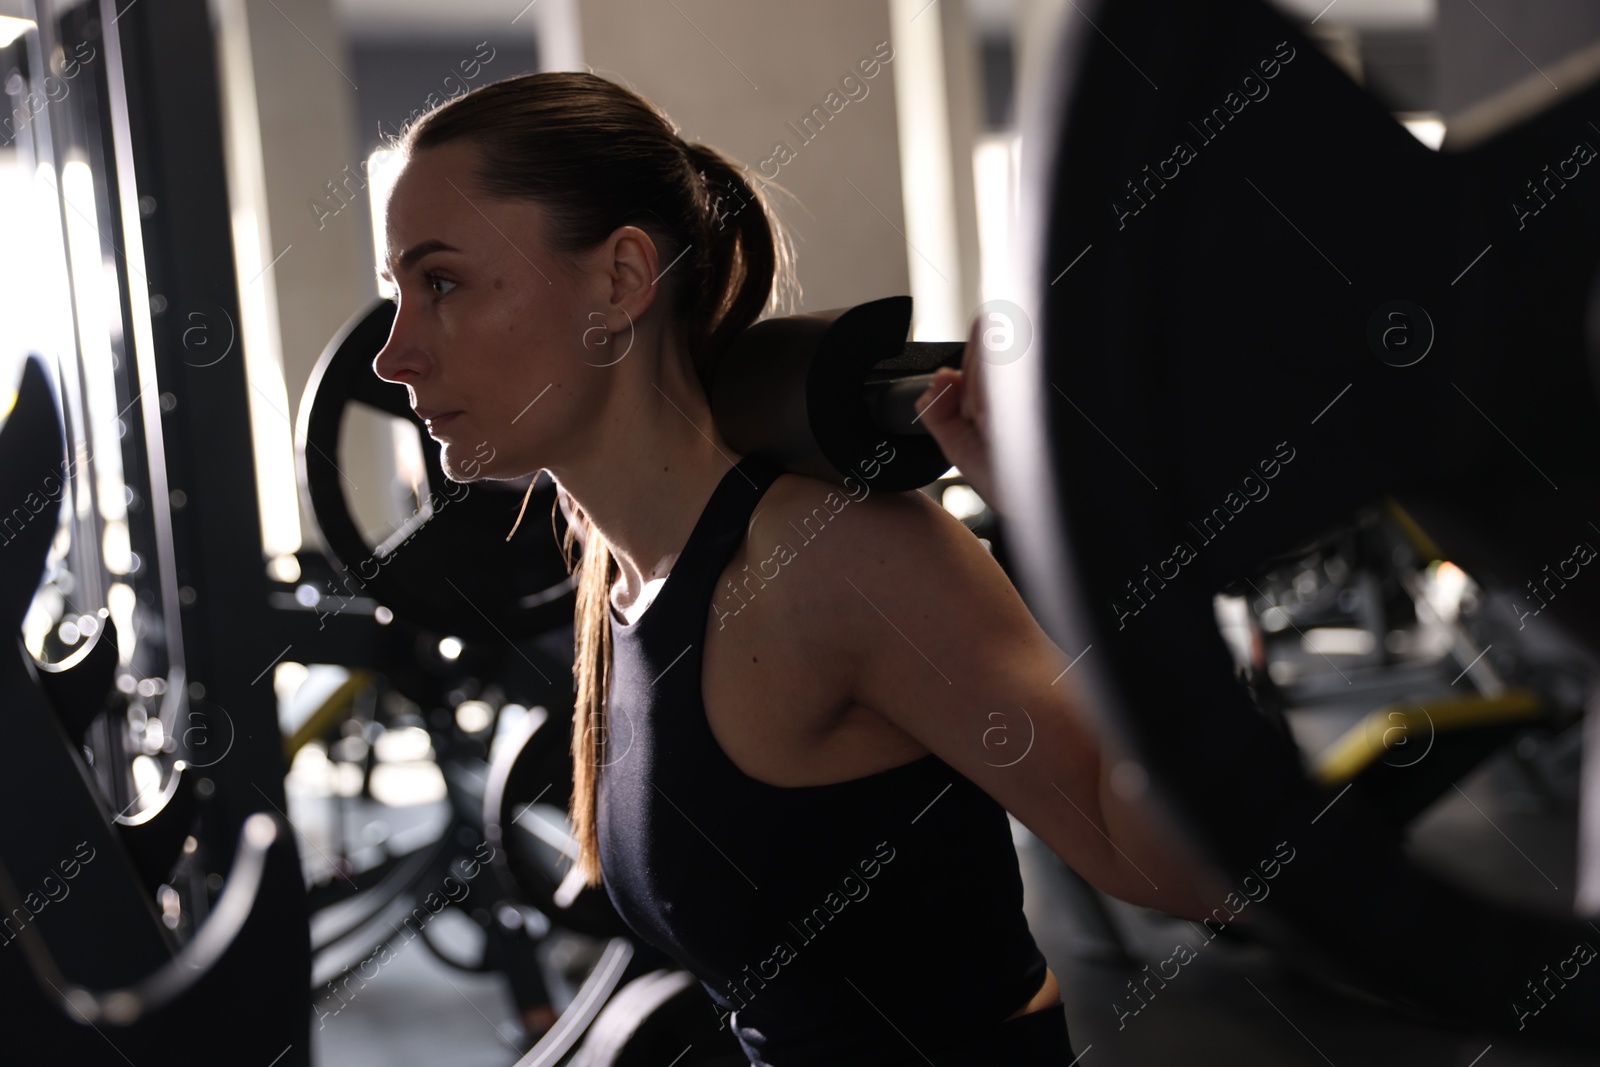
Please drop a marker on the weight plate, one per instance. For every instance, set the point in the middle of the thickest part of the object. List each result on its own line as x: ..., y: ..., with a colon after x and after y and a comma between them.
x: 1206, y: 263
x: 450, y: 568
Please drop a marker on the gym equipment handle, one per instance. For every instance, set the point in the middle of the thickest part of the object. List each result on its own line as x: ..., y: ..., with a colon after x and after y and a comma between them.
x: 192, y: 963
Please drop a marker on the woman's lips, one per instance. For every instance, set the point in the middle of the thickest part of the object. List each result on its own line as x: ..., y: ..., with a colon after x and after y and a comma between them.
x: 437, y: 422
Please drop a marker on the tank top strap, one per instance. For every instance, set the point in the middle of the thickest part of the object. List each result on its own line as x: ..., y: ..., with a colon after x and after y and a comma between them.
x: 723, y: 524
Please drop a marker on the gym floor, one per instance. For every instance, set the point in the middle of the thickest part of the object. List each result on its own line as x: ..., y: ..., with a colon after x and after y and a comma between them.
x: 1232, y: 1004
x: 1235, y: 1003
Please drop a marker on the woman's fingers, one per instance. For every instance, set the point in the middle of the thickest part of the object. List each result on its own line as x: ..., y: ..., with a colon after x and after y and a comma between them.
x: 942, y: 399
x: 953, y: 410
x: 954, y: 392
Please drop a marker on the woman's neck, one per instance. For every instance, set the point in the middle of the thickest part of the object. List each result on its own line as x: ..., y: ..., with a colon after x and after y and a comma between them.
x: 644, y: 477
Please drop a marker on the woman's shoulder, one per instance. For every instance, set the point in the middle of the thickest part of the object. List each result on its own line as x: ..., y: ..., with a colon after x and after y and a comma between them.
x: 860, y: 515
x: 839, y: 537
x: 860, y: 587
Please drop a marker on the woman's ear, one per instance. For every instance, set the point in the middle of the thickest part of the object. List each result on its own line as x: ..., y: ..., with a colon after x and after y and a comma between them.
x: 634, y: 262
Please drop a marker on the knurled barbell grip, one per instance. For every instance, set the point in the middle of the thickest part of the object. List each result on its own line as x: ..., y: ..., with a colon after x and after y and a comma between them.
x: 892, y: 403
x: 891, y: 394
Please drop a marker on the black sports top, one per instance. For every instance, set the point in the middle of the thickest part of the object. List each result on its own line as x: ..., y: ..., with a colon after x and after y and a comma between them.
x: 867, y: 922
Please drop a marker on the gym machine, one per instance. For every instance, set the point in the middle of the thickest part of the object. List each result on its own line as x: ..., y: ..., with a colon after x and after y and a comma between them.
x: 155, y: 907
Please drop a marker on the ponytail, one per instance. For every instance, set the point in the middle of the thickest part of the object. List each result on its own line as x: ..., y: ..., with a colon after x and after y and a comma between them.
x: 746, y: 246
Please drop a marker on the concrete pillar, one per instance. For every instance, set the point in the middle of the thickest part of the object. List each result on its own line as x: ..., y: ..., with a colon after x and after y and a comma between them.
x: 288, y: 102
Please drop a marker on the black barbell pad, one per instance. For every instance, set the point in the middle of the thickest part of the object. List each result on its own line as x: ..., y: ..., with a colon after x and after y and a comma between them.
x: 804, y: 393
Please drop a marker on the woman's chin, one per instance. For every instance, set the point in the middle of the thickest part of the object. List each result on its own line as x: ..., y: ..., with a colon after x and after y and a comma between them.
x: 482, y: 466
x: 460, y: 465
x: 456, y: 473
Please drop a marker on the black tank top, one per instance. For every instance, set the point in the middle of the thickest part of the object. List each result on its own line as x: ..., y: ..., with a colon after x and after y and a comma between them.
x: 868, y: 922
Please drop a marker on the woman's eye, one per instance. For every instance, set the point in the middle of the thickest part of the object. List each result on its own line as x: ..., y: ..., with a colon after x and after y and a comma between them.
x: 434, y: 281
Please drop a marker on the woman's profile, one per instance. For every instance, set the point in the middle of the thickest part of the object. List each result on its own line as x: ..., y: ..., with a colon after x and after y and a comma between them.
x: 803, y: 710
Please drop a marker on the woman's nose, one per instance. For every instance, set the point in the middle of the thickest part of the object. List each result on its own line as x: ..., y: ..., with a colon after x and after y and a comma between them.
x: 401, y: 360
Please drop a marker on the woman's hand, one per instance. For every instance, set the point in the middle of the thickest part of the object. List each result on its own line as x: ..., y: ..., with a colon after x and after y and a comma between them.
x: 954, y: 410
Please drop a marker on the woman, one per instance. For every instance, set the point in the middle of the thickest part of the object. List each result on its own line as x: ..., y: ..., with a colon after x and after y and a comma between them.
x: 802, y: 710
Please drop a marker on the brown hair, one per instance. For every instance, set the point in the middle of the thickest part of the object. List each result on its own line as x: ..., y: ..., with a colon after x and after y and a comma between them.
x: 596, y: 155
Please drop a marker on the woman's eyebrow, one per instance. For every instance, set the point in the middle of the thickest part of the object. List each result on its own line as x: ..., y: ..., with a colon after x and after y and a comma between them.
x: 410, y: 256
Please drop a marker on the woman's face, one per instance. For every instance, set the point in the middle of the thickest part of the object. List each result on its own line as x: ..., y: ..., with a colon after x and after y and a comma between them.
x: 489, y: 334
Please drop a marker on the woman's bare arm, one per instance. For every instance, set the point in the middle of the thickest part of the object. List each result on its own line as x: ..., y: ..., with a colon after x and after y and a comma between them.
x: 925, y: 628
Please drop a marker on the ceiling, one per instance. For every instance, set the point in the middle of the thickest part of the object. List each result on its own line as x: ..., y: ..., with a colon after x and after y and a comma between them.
x: 1366, y: 14
x: 411, y: 17
x: 415, y: 16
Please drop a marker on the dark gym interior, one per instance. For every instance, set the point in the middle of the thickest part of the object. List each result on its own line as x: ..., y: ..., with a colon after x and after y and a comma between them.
x: 287, y: 761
